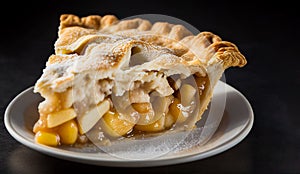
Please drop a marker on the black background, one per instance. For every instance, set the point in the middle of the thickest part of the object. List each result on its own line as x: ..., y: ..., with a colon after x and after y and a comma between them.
x: 267, y: 34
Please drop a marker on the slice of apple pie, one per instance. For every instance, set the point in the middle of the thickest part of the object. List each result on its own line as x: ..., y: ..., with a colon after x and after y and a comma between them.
x: 124, y: 78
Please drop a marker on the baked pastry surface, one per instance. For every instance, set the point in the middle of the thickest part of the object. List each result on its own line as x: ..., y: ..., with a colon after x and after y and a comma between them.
x: 127, y: 77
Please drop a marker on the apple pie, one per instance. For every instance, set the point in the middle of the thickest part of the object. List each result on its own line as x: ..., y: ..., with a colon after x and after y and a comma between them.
x: 124, y: 78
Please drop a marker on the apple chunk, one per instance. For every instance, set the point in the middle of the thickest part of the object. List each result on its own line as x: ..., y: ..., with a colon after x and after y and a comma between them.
x: 90, y: 118
x: 158, y: 125
x: 113, y: 124
x: 57, y: 118
x: 188, y: 92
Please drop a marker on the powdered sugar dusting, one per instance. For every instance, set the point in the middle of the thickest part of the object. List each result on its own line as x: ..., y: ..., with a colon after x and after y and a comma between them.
x: 109, y: 53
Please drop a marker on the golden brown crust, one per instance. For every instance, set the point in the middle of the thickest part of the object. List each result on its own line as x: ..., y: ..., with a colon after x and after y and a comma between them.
x: 72, y: 27
x: 229, y: 53
x: 92, y: 22
x: 205, y: 45
x: 80, y: 40
x: 59, y: 58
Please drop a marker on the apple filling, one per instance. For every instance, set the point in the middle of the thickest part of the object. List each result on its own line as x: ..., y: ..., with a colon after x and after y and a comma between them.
x: 66, y: 118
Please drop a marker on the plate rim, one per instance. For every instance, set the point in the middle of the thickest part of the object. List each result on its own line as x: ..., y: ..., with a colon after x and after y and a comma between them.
x: 118, y: 162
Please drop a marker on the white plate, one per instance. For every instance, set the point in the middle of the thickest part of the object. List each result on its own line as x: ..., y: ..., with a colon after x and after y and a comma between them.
x: 236, y: 123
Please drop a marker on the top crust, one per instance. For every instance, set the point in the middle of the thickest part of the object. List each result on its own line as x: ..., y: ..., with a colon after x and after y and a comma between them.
x: 204, y: 46
x: 105, y: 44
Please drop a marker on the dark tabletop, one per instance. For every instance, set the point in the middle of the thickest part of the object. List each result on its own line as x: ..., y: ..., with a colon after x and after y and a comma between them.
x: 268, y: 36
